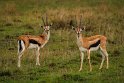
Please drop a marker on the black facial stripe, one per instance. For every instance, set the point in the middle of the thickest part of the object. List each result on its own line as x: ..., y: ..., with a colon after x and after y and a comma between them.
x: 34, y: 42
x: 95, y: 44
x: 78, y: 34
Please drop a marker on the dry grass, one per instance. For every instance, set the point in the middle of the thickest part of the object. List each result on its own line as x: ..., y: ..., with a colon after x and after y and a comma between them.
x: 60, y: 57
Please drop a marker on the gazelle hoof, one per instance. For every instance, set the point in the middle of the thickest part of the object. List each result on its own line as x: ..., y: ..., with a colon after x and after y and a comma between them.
x: 38, y: 64
x: 80, y: 69
x: 90, y: 70
x: 18, y: 66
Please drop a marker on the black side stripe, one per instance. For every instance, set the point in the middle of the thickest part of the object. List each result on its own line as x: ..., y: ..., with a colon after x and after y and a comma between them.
x: 20, y: 46
x: 95, y: 44
x: 34, y: 42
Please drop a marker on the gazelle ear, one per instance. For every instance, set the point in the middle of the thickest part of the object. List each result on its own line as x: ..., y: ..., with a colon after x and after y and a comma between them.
x: 51, y: 24
x: 73, y: 27
x: 81, y: 29
x: 84, y: 27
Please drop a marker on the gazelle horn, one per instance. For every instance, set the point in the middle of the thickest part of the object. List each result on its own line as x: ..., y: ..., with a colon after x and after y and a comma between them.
x: 43, y: 21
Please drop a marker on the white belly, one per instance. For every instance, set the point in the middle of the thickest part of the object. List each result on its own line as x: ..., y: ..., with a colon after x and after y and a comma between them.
x: 31, y: 46
x: 91, y: 49
x: 94, y: 48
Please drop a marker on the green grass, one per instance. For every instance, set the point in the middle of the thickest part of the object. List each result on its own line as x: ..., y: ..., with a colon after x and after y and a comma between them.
x: 60, y: 58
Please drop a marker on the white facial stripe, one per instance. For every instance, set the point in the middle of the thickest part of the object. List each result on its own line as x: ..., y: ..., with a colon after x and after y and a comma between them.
x: 46, y: 27
x: 78, y: 30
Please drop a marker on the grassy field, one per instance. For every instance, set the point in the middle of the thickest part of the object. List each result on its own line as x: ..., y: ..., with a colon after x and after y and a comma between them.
x: 60, y: 58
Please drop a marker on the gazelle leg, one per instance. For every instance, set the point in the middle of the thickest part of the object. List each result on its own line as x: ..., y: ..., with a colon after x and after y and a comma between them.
x: 88, y: 53
x: 19, y: 59
x: 20, y: 53
x: 19, y: 56
x: 106, y: 55
x: 82, y: 58
x: 107, y: 60
x: 37, y: 56
x: 103, y: 59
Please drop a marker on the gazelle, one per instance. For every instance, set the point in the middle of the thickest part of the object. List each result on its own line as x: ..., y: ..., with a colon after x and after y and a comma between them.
x: 88, y: 44
x: 33, y: 42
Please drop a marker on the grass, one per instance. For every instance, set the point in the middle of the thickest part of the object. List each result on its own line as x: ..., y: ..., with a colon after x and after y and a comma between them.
x: 60, y: 58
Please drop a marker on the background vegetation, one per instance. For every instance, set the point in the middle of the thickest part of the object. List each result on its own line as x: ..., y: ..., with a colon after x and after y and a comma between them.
x: 60, y: 58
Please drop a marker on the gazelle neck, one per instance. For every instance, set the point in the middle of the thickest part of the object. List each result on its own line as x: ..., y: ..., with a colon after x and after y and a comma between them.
x: 47, y: 34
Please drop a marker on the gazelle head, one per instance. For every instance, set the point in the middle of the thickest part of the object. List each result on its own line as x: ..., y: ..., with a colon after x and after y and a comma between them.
x: 46, y: 25
x: 78, y: 28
